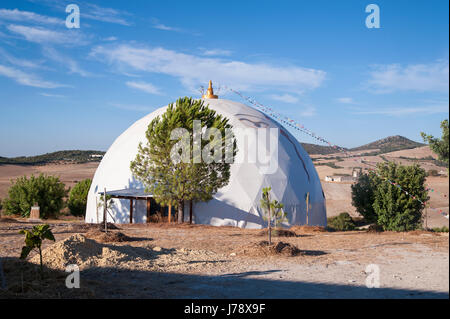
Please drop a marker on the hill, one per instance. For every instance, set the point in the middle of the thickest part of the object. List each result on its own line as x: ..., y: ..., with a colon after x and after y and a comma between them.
x: 318, y: 149
x: 390, y: 144
x: 72, y: 156
x: 385, y: 145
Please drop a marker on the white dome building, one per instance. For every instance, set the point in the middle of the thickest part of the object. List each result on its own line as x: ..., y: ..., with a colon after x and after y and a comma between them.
x: 291, y: 178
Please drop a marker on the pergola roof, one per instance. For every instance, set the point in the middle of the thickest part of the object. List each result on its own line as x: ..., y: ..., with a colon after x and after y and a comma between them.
x: 129, y: 193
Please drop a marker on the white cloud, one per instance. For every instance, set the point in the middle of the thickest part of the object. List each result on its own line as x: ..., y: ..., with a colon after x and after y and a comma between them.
x: 26, y: 16
x: 415, y: 77
x: 95, y: 12
x: 51, y: 95
x: 164, y: 27
x: 433, y: 108
x: 217, y: 52
x: 43, y: 35
x: 110, y: 39
x: 287, y: 98
x: 144, y: 86
x: 308, y: 111
x: 345, y: 100
x: 91, y: 11
x: 26, y: 78
x: 193, y: 70
x: 19, y: 62
x: 71, y: 64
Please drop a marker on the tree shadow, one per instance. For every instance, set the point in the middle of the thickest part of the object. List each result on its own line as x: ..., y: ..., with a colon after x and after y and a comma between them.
x: 313, y: 252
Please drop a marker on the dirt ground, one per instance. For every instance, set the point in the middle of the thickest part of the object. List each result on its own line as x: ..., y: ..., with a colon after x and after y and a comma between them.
x: 197, y: 261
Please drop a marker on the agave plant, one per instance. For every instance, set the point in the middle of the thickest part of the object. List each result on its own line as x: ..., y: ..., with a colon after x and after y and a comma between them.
x: 33, y: 240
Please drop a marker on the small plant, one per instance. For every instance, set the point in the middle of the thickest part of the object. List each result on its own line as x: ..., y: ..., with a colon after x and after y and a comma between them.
x: 33, y: 240
x: 109, y: 207
x: 273, y: 210
x: 342, y: 222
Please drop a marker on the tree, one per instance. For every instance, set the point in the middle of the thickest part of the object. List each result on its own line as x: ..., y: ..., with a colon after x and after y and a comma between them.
x: 45, y: 190
x: 33, y: 240
x: 165, y: 165
x: 363, y: 196
x: 273, y: 211
x: 78, y: 197
x: 396, y: 209
x: 439, y: 146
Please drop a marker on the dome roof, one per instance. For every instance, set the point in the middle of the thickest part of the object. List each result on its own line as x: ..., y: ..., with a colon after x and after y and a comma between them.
x: 236, y: 204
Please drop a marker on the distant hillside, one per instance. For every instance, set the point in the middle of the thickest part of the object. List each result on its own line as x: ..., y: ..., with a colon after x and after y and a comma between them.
x: 318, y: 149
x: 390, y: 144
x: 385, y: 145
x: 74, y: 156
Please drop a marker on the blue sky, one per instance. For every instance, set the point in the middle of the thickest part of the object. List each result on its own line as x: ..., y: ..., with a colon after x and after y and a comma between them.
x: 314, y: 61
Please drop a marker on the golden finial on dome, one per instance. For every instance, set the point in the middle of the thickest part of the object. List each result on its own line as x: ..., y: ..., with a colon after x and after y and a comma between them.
x: 210, y: 92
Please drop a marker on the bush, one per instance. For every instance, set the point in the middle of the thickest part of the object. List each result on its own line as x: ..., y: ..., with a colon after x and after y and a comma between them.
x: 443, y: 229
x: 363, y: 196
x: 45, y: 190
x: 397, y: 210
x: 385, y: 204
x: 78, y: 197
x: 342, y: 222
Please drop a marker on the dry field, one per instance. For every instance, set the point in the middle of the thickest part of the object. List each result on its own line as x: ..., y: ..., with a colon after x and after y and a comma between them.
x: 69, y: 174
x: 197, y: 261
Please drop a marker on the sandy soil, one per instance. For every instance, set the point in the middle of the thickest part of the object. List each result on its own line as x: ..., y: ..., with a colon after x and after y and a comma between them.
x: 207, y: 262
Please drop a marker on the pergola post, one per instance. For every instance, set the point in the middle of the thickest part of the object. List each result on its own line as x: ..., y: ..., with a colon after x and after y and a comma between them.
x: 170, y: 213
x: 190, y: 212
x: 131, y: 211
x: 148, y: 210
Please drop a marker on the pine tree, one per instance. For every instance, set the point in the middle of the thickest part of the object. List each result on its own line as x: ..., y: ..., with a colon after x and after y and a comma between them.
x: 171, y: 163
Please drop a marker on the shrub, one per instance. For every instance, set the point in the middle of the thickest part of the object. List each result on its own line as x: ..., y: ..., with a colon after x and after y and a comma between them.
x: 443, y: 229
x: 47, y: 191
x: 342, y: 222
x: 363, y: 196
x: 399, y: 210
x: 380, y: 201
x: 78, y: 197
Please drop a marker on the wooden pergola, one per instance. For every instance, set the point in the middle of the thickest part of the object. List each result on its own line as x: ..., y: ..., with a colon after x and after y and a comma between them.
x: 135, y: 194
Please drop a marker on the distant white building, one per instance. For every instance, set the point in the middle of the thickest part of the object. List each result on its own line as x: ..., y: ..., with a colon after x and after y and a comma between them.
x: 340, y: 178
x: 356, y: 172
